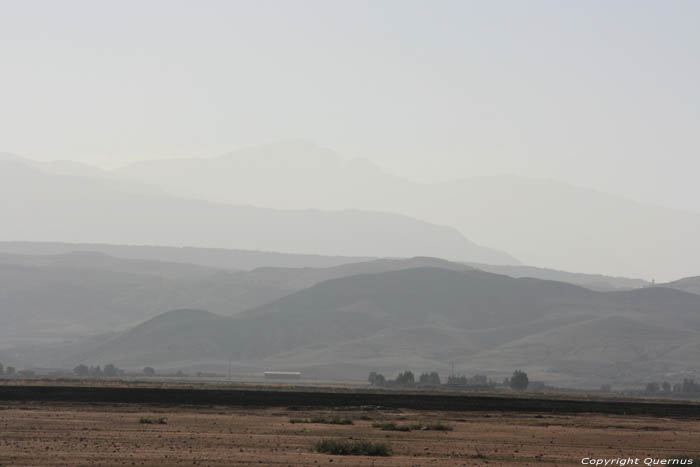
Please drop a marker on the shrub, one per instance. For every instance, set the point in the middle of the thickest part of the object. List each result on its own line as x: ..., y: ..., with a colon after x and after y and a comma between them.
x: 437, y: 427
x: 330, y: 421
x: 391, y: 427
x: 153, y: 421
x: 356, y: 448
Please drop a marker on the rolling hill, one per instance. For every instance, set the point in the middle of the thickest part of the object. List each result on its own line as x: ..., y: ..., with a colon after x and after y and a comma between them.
x: 424, y: 318
x: 52, y: 297
x: 687, y: 284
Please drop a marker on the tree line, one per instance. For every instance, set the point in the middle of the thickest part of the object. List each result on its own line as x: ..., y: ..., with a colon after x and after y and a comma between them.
x: 519, y: 381
x: 109, y: 371
x: 688, y: 386
x: 7, y: 371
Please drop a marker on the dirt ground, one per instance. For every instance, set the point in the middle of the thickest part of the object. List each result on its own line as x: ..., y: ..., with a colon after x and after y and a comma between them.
x: 60, y: 434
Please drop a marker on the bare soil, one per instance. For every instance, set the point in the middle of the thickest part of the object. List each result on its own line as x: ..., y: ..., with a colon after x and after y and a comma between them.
x: 73, y: 434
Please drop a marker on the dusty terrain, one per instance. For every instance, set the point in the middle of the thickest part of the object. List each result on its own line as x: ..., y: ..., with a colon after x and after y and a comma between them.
x: 61, y: 434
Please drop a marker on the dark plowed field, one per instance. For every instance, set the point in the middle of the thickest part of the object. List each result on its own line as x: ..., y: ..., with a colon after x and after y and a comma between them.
x: 346, y: 398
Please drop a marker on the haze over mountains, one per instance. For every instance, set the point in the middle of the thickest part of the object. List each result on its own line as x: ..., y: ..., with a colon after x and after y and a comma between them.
x: 541, y: 222
x: 288, y: 257
x: 582, y: 230
x: 43, y: 206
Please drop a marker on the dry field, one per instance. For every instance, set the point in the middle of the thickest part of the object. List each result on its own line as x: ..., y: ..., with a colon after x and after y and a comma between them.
x: 70, y: 434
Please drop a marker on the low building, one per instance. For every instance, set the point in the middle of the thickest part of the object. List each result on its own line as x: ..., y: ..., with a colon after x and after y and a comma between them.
x: 282, y: 375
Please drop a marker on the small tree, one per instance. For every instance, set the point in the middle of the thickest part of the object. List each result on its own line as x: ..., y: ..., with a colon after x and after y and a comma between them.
x: 406, y: 378
x: 457, y: 380
x: 519, y: 381
x: 652, y: 388
x: 81, y: 370
x: 376, y: 379
x: 666, y: 386
x: 2, y: 369
x: 149, y: 371
x: 110, y: 370
x: 429, y: 379
x: 690, y: 386
x: 10, y: 371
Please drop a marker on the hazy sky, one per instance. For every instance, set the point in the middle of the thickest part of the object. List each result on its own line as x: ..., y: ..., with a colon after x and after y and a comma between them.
x: 599, y: 93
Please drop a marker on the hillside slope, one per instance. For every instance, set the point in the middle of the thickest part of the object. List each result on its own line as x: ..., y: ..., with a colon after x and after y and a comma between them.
x: 426, y: 317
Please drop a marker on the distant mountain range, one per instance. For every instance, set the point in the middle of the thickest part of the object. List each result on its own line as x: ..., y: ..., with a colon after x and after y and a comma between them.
x: 169, y: 264
x: 541, y: 222
x: 340, y: 321
x: 424, y: 318
x: 53, y: 297
x: 43, y: 206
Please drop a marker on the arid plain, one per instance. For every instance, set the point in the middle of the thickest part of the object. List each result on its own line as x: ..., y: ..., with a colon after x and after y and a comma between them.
x: 63, y: 434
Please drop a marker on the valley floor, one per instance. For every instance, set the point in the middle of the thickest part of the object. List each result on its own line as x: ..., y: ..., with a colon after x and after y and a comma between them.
x: 71, y: 434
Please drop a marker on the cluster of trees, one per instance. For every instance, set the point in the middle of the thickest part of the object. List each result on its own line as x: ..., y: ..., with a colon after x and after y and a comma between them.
x: 519, y: 381
x: 473, y: 381
x: 109, y: 370
x: 9, y: 371
x: 405, y: 379
x: 688, y: 386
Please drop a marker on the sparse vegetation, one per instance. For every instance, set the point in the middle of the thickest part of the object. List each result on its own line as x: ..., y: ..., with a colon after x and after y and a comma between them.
x: 391, y: 426
x: 357, y: 448
x: 437, y: 427
x: 329, y: 421
x: 153, y: 421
